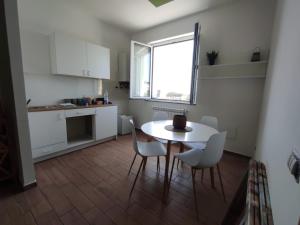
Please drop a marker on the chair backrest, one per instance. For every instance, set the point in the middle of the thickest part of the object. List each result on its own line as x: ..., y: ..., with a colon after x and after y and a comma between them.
x: 214, y: 150
x: 134, y: 138
x: 160, y: 115
x: 210, y: 121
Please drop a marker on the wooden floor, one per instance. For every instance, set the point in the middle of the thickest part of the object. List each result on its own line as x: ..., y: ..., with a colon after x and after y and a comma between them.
x: 91, y: 186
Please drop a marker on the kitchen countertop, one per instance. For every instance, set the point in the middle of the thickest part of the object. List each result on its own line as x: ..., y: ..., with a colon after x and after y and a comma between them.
x: 59, y: 107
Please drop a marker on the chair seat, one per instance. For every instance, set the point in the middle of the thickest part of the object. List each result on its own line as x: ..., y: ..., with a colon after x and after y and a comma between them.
x: 153, y: 148
x: 195, y: 145
x: 163, y: 141
x: 190, y: 157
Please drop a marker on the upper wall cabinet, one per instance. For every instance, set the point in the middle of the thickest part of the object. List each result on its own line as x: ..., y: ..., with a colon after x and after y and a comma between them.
x: 98, y: 61
x: 74, y: 57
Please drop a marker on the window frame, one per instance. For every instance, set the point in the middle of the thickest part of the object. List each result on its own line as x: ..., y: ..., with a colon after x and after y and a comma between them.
x: 132, y: 62
x: 170, y: 41
x: 195, y: 65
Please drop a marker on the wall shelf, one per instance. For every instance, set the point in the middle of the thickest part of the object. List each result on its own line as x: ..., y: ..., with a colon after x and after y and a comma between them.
x: 247, y: 70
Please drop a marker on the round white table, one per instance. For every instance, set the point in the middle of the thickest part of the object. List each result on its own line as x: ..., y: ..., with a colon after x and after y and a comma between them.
x: 157, y: 129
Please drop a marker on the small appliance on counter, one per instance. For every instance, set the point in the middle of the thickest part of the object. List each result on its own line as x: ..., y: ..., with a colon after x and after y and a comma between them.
x: 86, y: 101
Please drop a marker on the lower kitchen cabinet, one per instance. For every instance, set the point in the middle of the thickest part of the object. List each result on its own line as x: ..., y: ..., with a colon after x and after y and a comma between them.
x: 106, y: 122
x: 47, y: 132
x: 54, y: 131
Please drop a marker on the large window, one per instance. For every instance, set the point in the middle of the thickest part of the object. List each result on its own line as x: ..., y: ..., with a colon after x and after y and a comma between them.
x: 172, y: 71
x: 166, y: 70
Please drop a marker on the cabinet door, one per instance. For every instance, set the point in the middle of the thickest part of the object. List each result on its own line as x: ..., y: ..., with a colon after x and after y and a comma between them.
x: 68, y: 55
x: 47, y: 132
x: 106, y: 122
x: 98, y: 60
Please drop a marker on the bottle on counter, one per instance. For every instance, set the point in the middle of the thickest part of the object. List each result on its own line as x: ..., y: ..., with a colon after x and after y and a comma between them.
x: 105, y: 97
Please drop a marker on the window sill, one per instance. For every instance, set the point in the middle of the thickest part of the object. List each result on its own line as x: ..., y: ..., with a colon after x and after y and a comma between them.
x: 164, y: 101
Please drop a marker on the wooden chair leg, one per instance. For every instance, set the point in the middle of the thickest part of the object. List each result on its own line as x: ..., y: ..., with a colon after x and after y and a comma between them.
x: 202, y: 175
x: 212, y: 177
x: 195, y: 192
x: 181, y: 150
x: 143, y: 161
x: 221, y: 182
x: 178, y: 163
x: 158, y: 164
x: 132, y: 163
x: 172, y: 171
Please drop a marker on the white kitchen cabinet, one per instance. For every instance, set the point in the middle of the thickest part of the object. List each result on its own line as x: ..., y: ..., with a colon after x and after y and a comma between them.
x: 68, y: 55
x: 106, y: 122
x: 47, y: 132
x: 71, y: 56
x: 98, y: 61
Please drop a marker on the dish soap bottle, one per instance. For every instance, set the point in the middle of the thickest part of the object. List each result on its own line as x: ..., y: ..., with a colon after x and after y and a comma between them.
x: 105, y: 97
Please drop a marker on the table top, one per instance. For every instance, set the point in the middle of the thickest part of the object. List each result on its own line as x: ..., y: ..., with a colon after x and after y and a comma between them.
x: 199, y: 133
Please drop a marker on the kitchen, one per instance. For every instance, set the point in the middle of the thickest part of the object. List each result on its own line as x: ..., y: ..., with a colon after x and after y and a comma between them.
x: 72, y: 124
x: 203, y: 86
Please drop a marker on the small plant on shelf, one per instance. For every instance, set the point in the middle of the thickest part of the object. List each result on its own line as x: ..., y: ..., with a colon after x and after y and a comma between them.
x: 211, y: 57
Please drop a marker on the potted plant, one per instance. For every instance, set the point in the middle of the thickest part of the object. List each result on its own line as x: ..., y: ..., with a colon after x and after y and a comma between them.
x: 211, y: 57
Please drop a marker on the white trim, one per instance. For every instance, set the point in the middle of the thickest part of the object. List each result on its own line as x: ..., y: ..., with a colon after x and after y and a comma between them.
x: 170, y: 39
x: 132, y: 63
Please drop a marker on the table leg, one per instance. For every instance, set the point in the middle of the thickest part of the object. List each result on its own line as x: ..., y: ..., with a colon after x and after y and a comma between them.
x: 181, y: 150
x: 212, y: 177
x: 165, y: 193
x: 145, y: 162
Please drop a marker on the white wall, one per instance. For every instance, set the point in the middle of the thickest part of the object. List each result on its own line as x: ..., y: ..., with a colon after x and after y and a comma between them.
x: 234, y: 30
x: 27, y: 175
x: 38, y: 19
x: 280, y: 123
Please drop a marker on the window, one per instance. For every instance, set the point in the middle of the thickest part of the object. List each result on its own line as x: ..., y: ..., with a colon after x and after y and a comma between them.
x: 166, y: 70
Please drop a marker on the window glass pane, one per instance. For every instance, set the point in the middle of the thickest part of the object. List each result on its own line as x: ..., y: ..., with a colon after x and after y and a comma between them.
x: 172, y: 71
x: 140, y: 77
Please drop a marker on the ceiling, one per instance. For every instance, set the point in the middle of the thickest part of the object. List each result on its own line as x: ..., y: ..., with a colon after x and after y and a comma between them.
x: 135, y: 15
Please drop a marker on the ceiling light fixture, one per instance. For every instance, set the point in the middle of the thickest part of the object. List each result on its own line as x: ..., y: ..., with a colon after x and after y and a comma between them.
x: 158, y: 3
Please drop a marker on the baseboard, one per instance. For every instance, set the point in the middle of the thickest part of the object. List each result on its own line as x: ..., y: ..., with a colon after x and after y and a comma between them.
x: 236, y: 154
x: 29, y: 185
x: 72, y: 149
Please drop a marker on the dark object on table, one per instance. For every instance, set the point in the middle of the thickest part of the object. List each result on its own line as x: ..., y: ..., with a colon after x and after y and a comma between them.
x: 179, y: 122
x: 256, y: 55
x: 211, y: 57
x: 184, y: 130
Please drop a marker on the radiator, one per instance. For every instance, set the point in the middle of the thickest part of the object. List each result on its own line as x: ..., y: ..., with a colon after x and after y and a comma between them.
x: 171, y: 111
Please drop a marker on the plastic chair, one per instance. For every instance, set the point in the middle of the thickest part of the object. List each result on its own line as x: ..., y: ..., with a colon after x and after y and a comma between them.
x: 198, y: 159
x: 145, y: 150
x: 206, y: 120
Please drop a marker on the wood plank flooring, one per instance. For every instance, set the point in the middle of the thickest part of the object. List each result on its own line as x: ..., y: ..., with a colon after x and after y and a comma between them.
x: 91, y: 186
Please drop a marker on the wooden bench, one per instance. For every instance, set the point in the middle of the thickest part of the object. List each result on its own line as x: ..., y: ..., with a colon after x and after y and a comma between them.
x: 251, y: 204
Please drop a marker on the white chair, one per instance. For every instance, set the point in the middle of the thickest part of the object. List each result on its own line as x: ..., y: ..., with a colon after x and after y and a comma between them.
x: 145, y: 150
x: 160, y: 115
x: 209, y: 158
x: 206, y: 120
